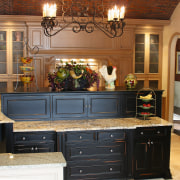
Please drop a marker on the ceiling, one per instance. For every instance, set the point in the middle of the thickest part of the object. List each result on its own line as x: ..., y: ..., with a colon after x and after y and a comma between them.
x: 135, y: 9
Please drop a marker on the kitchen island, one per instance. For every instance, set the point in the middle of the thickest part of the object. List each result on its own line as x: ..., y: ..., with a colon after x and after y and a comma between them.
x: 96, y: 131
x: 41, y: 166
x: 101, y: 148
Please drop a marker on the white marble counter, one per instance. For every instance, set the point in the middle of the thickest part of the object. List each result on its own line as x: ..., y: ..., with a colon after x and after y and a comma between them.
x: 93, y: 124
x: 30, y: 166
x: 8, y: 160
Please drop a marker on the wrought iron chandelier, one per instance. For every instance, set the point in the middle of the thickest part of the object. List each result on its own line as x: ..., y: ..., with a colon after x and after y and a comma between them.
x: 83, y: 17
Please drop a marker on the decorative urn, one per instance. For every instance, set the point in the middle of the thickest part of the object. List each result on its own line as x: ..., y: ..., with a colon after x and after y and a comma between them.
x: 130, y: 81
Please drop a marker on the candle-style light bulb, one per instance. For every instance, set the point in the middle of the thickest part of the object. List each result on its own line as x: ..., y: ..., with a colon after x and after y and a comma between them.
x: 122, y: 12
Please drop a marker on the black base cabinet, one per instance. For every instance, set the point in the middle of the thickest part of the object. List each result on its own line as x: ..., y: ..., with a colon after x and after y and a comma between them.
x: 152, y: 152
x: 116, y: 154
x: 34, y: 142
x: 94, y: 154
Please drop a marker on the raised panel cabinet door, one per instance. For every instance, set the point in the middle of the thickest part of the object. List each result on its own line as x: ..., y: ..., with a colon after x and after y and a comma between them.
x: 128, y: 104
x: 26, y: 107
x: 103, y: 105
x: 69, y: 106
x: 157, y: 154
x: 141, y: 163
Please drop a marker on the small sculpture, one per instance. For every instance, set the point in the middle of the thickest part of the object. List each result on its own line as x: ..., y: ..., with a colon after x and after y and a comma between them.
x: 109, y: 78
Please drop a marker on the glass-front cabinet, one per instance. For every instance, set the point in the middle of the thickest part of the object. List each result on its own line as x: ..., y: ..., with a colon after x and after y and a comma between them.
x: 147, y: 59
x: 11, y: 51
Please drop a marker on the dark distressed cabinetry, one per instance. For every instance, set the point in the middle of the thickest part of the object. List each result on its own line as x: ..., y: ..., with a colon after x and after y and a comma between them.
x: 77, y: 105
x: 151, y: 149
x: 94, y: 154
x: 34, y: 142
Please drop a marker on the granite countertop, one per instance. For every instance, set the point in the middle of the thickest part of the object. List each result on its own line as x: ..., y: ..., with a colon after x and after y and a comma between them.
x: 3, y: 118
x: 94, y: 124
x: 55, y: 159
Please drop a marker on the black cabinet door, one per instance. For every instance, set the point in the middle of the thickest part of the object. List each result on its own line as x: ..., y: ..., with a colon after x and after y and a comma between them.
x: 26, y: 107
x: 105, y: 105
x: 157, y: 154
x: 141, y: 156
x: 128, y: 104
x: 69, y: 106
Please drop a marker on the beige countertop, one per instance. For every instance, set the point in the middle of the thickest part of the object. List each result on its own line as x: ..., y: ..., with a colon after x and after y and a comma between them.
x: 55, y: 159
x: 93, y: 124
x: 3, y: 118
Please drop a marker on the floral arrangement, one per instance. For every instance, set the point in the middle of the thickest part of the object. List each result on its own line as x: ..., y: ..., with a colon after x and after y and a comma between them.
x: 73, y: 77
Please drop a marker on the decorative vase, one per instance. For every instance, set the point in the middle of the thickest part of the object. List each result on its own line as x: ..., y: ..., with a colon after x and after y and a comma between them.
x: 130, y: 81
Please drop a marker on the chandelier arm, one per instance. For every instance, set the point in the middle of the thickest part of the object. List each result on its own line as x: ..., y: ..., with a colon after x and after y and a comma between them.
x: 104, y: 30
x: 47, y: 33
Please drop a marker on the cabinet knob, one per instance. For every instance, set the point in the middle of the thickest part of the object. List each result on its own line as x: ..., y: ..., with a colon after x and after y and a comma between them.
x: 80, y: 137
x: 36, y: 148
x: 158, y: 132
x: 80, y: 171
x: 142, y: 133
x: 32, y: 149
x: 44, y: 137
x: 23, y: 138
x: 110, y: 169
x: 111, y: 135
x: 111, y: 150
x: 152, y: 142
x: 80, y: 152
x: 148, y: 142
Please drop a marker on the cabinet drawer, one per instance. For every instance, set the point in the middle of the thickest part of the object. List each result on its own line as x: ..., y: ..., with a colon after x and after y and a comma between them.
x: 34, y: 147
x: 33, y: 136
x: 79, y: 136
x: 150, y: 131
x: 111, y: 135
x: 100, y: 152
x: 97, y: 172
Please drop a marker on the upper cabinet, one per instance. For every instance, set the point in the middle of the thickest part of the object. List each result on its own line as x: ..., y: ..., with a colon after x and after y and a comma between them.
x: 11, y: 50
x: 147, y: 59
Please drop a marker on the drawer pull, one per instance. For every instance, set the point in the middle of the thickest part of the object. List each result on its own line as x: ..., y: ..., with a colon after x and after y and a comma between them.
x: 111, y: 135
x: 80, y: 152
x: 111, y: 150
x: 32, y: 149
x: 80, y: 171
x: 23, y: 138
x: 142, y: 133
x: 110, y: 169
x: 158, y: 132
x: 80, y: 137
x: 44, y: 137
x: 36, y: 148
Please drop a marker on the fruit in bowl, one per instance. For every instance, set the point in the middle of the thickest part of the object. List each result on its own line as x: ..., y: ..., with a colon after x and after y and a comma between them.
x: 26, y: 79
x: 26, y: 60
x: 26, y: 68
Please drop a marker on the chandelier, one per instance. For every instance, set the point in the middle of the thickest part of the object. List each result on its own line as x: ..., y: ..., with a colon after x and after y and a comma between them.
x: 83, y: 17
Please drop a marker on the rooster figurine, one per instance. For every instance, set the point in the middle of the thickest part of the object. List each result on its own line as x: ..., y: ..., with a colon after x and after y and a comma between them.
x: 108, y: 78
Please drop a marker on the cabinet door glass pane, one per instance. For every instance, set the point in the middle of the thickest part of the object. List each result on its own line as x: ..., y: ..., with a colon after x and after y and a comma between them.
x: 140, y: 84
x: 139, y: 53
x: 3, y: 52
x: 153, y: 84
x: 154, y: 53
x: 3, y: 85
x: 18, y: 46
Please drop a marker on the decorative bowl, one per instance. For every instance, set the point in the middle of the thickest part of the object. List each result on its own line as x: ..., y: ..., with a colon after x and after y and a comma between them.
x: 26, y: 68
x: 26, y: 60
x: 26, y: 79
x: 146, y: 100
